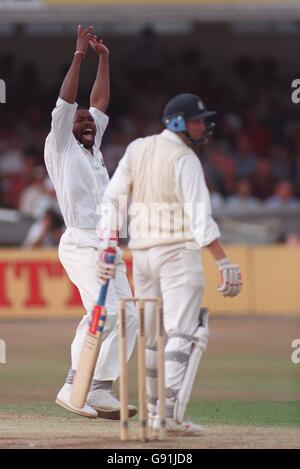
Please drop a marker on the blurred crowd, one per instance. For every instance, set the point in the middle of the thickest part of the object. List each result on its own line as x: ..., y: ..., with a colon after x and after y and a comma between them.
x: 252, y: 161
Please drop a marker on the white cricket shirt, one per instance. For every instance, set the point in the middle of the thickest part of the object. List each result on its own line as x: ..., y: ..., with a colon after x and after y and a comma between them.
x: 79, y: 177
x: 190, y: 188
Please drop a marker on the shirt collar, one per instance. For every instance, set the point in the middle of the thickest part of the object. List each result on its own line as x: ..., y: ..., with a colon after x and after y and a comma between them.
x: 172, y: 136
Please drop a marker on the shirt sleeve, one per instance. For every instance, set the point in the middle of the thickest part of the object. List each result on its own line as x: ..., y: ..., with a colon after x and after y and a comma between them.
x: 101, y: 121
x: 192, y: 192
x: 62, y: 124
x: 117, y: 193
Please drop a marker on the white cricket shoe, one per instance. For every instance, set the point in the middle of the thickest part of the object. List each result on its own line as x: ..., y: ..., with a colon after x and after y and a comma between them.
x: 106, y: 405
x: 63, y: 399
x: 184, y: 428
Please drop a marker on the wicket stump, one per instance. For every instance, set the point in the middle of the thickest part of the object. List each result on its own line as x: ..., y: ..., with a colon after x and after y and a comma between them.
x: 142, y: 397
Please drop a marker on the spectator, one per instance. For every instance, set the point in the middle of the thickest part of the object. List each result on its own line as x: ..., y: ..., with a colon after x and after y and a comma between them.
x: 221, y: 170
x: 283, y: 196
x: 36, y: 199
x: 15, y: 184
x: 228, y: 177
x: 216, y: 199
x: 113, y: 150
x: 262, y: 180
x: 279, y: 162
x: 229, y: 128
x: 11, y: 159
x: 258, y: 135
x: 243, y: 198
x: 46, y: 231
x: 244, y: 157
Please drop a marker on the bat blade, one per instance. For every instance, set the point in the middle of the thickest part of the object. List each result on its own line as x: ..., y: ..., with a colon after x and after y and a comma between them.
x: 88, y: 357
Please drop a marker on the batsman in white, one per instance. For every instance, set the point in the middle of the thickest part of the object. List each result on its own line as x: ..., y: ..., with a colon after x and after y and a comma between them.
x: 171, y: 219
x: 77, y: 170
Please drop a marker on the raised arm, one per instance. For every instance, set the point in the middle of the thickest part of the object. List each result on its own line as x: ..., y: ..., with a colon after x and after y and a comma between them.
x: 65, y: 109
x: 69, y: 88
x: 101, y: 89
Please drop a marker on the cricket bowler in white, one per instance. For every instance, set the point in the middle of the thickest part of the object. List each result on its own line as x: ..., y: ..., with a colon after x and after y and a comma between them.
x: 77, y: 170
x: 171, y: 222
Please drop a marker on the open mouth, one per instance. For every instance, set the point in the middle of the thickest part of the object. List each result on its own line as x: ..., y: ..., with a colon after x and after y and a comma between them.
x: 88, y: 134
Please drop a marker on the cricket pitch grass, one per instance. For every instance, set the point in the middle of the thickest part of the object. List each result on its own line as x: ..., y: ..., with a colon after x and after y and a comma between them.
x: 247, y: 392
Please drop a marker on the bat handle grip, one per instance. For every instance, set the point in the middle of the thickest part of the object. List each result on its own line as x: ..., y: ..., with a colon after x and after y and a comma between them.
x: 109, y: 258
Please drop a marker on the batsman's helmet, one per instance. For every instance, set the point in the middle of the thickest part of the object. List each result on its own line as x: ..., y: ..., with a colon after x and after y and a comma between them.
x: 181, y: 108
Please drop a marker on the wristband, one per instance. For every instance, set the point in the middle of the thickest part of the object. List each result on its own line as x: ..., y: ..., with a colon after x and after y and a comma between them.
x: 79, y: 52
x: 223, y: 262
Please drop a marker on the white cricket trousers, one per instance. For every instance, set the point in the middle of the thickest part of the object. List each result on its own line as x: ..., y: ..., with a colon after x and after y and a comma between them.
x: 78, y: 250
x: 175, y: 273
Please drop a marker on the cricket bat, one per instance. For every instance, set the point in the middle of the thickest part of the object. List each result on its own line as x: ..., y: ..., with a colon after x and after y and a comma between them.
x: 90, y: 349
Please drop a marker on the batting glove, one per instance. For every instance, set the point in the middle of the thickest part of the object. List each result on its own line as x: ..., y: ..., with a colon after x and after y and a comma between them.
x: 231, y: 278
x: 106, y: 270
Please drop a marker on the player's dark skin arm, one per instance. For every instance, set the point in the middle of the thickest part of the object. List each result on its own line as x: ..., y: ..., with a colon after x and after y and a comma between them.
x: 101, y: 89
x: 69, y: 88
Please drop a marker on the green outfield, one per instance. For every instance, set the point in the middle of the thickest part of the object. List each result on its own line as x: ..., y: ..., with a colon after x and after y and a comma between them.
x: 220, y: 412
x: 247, y: 392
